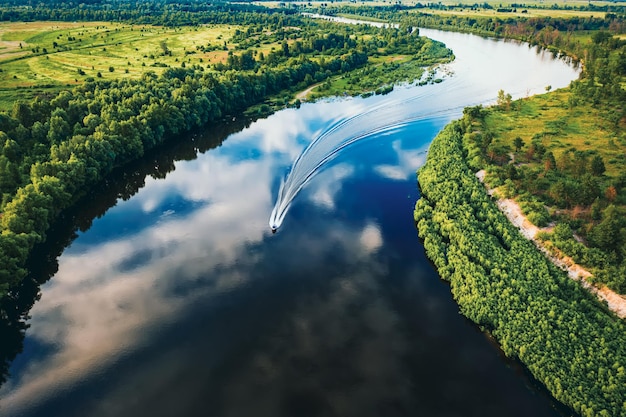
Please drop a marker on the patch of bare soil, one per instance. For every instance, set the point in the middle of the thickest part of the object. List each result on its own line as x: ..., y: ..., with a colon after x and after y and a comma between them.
x: 302, y: 96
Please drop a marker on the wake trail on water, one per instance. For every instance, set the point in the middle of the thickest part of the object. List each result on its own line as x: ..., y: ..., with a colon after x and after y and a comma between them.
x: 387, y: 116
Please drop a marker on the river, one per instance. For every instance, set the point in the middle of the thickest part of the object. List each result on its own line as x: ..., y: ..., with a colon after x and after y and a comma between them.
x: 174, y: 298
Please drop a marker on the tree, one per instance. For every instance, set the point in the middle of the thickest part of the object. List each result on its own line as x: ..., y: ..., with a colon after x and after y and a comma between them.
x: 164, y: 48
x: 597, y: 166
x: 589, y: 190
x: 518, y: 143
x: 601, y: 37
x: 562, y: 232
x: 549, y: 163
x: 59, y: 129
x: 476, y: 112
x: 611, y: 193
x: 22, y: 112
x: 504, y: 100
x: 511, y: 172
x: 609, y: 234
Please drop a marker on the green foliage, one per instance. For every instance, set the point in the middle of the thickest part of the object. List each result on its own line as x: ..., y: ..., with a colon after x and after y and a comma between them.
x: 567, y: 177
x: 610, y: 234
x: 566, y: 339
x: 597, y: 165
x: 536, y: 212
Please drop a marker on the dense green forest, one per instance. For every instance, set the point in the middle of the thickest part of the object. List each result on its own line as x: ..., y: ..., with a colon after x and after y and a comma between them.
x: 57, y: 148
x: 566, y: 338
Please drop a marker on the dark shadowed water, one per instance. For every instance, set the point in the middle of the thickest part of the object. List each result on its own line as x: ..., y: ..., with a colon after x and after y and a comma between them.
x: 179, y: 301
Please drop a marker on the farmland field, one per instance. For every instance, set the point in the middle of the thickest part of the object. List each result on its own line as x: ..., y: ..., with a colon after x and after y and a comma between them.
x: 42, y: 57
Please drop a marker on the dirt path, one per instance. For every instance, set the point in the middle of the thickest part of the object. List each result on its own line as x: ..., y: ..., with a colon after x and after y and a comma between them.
x: 302, y: 95
x: 615, y: 301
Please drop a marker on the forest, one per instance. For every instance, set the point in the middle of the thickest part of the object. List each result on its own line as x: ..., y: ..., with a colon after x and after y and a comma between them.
x: 565, y: 173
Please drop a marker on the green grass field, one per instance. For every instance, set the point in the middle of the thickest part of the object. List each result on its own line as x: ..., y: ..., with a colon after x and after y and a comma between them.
x: 560, y: 128
x: 39, y: 57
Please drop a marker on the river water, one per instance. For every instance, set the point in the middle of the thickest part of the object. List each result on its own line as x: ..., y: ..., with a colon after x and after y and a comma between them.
x: 175, y: 299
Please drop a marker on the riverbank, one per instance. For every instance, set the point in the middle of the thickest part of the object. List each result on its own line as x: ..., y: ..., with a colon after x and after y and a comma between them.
x: 512, y: 210
x: 568, y: 340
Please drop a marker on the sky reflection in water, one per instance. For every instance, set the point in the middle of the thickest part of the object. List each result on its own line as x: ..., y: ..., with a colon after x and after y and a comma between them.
x: 180, y: 300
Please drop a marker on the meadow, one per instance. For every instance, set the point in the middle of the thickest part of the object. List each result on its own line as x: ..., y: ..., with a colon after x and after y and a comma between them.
x: 42, y: 57
x: 559, y: 127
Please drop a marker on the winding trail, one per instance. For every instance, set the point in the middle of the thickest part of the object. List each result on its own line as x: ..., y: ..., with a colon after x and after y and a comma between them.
x: 302, y: 95
x: 512, y: 210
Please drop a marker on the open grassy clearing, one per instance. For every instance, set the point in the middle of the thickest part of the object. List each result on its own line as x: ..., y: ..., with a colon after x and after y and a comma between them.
x: 42, y: 56
x: 549, y: 118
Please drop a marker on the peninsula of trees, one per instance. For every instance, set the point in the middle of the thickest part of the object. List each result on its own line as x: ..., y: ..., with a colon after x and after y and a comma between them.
x: 568, y: 341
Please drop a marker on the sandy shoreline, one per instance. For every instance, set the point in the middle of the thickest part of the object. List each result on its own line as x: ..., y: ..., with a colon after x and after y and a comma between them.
x: 513, y: 212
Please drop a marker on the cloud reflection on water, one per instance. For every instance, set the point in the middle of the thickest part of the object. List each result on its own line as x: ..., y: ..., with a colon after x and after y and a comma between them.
x: 105, y: 298
x: 112, y: 297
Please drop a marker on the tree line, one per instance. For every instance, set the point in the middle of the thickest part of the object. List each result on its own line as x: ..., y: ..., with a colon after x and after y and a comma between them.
x: 585, y: 200
x: 562, y: 334
x: 55, y: 150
